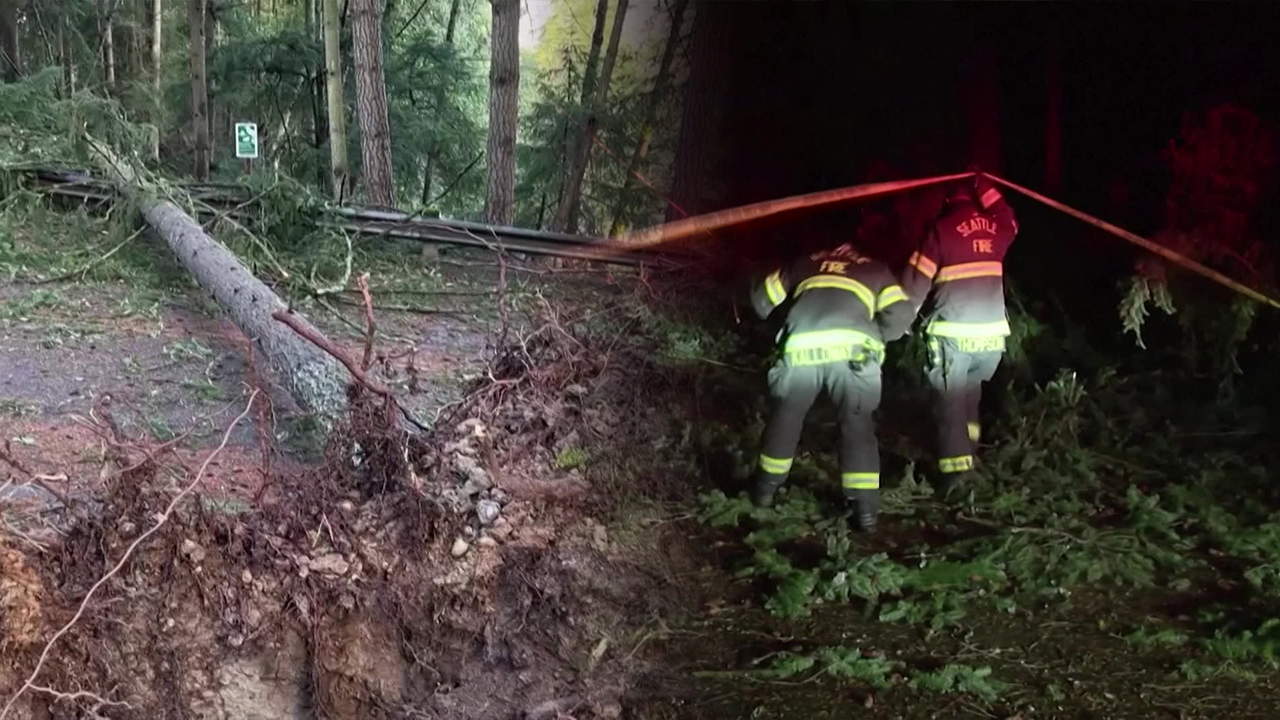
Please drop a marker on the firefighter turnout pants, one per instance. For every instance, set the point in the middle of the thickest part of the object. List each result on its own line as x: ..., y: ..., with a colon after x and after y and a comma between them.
x: 854, y: 386
x: 957, y: 369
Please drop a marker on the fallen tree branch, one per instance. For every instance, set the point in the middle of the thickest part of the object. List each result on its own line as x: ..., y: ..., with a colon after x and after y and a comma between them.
x: 30, y: 682
x: 363, y: 283
x: 326, y: 345
x: 7, y: 457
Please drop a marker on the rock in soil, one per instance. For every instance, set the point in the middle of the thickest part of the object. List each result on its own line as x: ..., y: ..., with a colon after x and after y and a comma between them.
x: 460, y: 547
x: 488, y: 511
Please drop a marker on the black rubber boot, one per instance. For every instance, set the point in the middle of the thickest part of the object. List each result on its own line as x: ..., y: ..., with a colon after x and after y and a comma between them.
x: 765, y: 487
x: 866, y: 508
x: 950, y: 488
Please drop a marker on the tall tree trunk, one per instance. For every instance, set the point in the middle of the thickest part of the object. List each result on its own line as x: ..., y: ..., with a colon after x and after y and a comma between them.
x: 702, y: 116
x: 315, y: 89
x: 428, y: 173
x: 566, y: 219
x: 210, y: 43
x: 593, y: 55
x: 157, y: 68
x: 9, y: 40
x: 1053, y: 113
x: 64, y: 58
x: 319, y: 111
x: 109, y: 45
x: 337, y: 112
x: 371, y: 103
x: 585, y: 113
x: 650, y: 112
x: 199, y: 92
x: 504, y: 96
x: 68, y: 58
x: 452, y: 25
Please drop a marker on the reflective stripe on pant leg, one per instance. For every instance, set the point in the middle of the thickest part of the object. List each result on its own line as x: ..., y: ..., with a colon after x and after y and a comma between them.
x: 860, y: 480
x: 956, y: 464
x: 793, y: 391
x: 950, y: 383
x: 856, y: 390
x: 975, y: 430
x: 775, y: 466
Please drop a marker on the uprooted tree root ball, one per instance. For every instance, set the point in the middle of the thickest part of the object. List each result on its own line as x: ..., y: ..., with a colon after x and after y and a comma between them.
x: 453, y: 575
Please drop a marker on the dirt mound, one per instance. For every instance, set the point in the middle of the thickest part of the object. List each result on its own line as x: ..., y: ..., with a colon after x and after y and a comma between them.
x: 460, y: 575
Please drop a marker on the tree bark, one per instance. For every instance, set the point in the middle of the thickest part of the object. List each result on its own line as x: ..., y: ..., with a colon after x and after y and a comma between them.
x: 371, y: 101
x: 199, y: 91
x: 452, y: 25
x: 650, y: 113
x: 210, y: 43
x: 109, y: 45
x: 157, y: 67
x: 566, y: 218
x: 504, y: 95
x: 315, y: 89
x: 702, y: 117
x: 312, y: 377
x: 593, y: 55
x: 585, y: 113
x: 337, y: 111
x: 63, y: 58
x: 10, y: 46
x: 428, y: 173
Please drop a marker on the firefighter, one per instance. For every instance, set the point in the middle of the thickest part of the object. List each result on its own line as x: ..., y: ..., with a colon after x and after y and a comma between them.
x: 844, y: 307
x: 960, y: 267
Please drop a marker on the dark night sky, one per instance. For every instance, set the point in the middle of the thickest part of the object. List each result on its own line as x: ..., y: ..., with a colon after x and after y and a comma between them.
x: 814, y: 92
x: 816, y: 95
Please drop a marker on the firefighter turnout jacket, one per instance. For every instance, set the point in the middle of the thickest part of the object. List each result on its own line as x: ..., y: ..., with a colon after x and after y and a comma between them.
x: 960, y: 268
x: 962, y: 261
x: 844, y: 307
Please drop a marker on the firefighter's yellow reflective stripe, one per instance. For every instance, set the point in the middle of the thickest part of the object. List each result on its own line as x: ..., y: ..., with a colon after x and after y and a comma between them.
x: 775, y: 466
x: 975, y: 432
x: 889, y: 296
x: 860, y: 480
x: 960, y: 463
x: 951, y: 328
x: 838, y: 281
x: 831, y: 339
x: 989, y: 197
x: 927, y: 267
x: 986, y: 268
x: 774, y: 289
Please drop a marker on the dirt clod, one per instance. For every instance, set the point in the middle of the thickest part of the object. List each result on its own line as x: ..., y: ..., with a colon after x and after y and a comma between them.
x: 460, y: 547
x: 333, y: 564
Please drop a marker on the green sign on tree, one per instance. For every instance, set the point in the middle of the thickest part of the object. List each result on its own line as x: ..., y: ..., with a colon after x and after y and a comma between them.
x: 246, y: 140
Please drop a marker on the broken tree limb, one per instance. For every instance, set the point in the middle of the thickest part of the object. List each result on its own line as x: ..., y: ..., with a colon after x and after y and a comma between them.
x: 1162, y: 251
x: 311, y: 376
x: 301, y: 327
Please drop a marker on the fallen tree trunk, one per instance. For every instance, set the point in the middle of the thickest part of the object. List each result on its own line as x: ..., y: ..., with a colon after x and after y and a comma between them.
x: 311, y: 376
